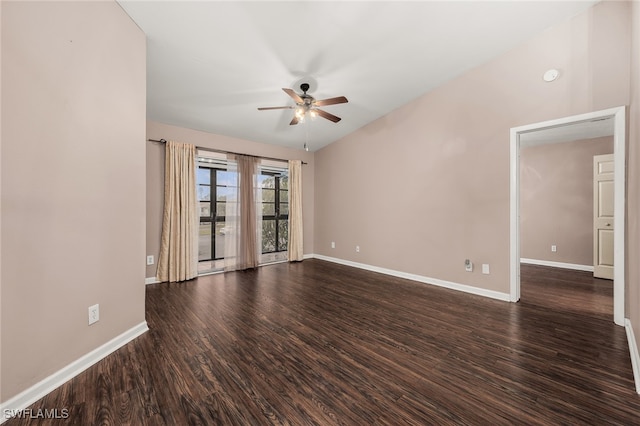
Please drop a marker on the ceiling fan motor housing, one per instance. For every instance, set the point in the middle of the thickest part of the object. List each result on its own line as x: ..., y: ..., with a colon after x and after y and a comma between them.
x: 308, y: 99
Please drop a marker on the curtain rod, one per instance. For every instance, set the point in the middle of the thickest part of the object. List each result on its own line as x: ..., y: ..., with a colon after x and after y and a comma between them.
x: 226, y: 152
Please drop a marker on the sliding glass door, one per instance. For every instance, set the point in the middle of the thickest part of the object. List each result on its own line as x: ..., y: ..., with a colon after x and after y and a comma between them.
x: 216, y: 188
x: 217, y: 191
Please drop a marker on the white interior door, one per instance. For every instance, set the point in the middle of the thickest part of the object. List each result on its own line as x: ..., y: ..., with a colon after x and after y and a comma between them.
x: 603, y: 199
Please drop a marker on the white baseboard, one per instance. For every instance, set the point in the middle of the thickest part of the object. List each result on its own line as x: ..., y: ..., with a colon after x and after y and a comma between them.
x: 42, y: 388
x: 308, y: 256
x: 633, y: 351
x: 151, y: 280
x: 426, y: 280
x: 574, y: 266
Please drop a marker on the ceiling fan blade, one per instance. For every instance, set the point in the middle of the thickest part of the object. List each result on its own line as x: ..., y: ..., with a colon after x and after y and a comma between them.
x: 326, y: 115
x: 294, y: 95
x: 332, y: 101
x: 282, y: 107
x: 294, y: 121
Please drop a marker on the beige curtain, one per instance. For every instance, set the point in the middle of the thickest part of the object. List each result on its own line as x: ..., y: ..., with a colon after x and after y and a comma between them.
x: 179, y: 247
x: 295, y: 211
x: 241, y: 238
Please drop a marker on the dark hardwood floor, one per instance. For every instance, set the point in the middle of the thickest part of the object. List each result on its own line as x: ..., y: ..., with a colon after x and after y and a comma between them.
x: 320, y: 343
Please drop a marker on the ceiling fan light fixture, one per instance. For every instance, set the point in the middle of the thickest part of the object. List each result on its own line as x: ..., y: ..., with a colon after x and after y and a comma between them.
x: 308, y: 104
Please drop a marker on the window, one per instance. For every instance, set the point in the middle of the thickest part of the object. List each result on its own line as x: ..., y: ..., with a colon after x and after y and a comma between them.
x: 274, y: 191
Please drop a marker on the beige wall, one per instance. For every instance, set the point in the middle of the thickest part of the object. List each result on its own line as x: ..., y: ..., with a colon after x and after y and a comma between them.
x: 633, y: 189
x: 73, y: 164
x: 556, y: 200
x: 427, y: 185
x: 155, y: 176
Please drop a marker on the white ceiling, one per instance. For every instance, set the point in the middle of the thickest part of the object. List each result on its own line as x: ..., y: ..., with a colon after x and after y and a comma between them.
x: 211, y: 64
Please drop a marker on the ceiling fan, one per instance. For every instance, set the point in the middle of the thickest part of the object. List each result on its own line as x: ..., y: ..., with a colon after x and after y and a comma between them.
x: 308, y: 105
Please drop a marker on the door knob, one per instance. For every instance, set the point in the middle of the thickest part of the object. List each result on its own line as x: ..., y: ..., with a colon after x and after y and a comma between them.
x: 608, y: 224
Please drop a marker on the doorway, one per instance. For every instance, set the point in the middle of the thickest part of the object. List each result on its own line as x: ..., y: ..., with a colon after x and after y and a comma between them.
x: 617, y: 117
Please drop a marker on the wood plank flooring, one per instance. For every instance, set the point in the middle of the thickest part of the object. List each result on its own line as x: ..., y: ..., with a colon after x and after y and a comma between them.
x: 316, y: 343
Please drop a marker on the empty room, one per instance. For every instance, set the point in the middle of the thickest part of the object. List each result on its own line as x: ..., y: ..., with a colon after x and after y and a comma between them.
x: 319, y: 212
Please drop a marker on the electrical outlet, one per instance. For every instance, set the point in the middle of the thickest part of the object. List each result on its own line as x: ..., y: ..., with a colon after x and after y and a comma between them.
x: 94, y: 314
x: 554, y: 248
x: 357, y: 249
x: 468, y: 265
x: 333, y: 244
x: 485, y: 268
x: 150, y: 260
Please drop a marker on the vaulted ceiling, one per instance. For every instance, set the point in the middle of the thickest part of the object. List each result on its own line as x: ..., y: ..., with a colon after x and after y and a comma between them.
x: 211, y: 64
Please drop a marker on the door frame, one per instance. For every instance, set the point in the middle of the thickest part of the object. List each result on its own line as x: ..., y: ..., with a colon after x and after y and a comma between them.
x: 619, y: 153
